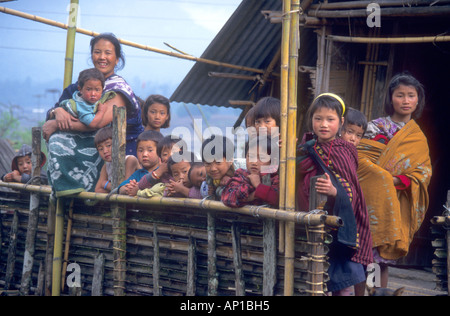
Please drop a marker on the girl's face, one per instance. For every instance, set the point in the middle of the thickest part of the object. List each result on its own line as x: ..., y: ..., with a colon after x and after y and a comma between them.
x: 265, y: 123
x: 404, y: 100
x: 157, y: 115
x: 24, y: 165
x: 198, y: 175
x: 218, y: 169
x: 91, y: 91
x: 104, y: 57
x: 105, y: 150
x: 326, y: 124
x: 147, y: 154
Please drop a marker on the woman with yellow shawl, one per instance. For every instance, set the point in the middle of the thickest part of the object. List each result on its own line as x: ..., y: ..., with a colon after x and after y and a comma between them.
x: 394, y: 172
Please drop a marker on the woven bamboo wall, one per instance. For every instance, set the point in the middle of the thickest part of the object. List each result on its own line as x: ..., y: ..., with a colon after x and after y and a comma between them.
x: 92, y: 235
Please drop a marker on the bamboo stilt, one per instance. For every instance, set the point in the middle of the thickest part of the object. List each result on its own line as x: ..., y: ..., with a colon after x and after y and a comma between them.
x: 99, y: 274
x: 191, y: 287
x: 213, y: 280
x: 49, y: 246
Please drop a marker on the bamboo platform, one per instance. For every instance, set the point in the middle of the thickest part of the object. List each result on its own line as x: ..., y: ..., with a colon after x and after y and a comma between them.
x: 180, y: 259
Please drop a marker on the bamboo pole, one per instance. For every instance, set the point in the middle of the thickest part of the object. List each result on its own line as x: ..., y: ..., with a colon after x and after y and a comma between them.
x: 300, y: 218
x: 129, y: 43
x: 58, y: 248
x: 291, y: 147
x: 364, y: 4
x: 385, y: 12
x: 70, y: 44
x: 67, y: 245
x: 11, y: 261
x: 390, y: 40
x: 284, y: 107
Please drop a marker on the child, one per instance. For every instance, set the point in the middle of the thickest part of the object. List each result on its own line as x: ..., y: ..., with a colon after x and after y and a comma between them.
x: 22, y: 167
x: 197, y: 174
x: 156, y: 113
x: 337, y: 160
x: 103, y: 142
x: 180, y: 185
x: 166, y: 147
x: 252, y: 186
x: 217, y: 155
x: 147, y: 144
x: 395, y: 171
x: 355, y: 126
x: 85, y: 101
x: 266, y: 116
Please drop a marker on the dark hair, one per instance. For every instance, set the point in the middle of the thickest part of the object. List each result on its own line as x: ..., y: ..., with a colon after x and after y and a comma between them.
x: 90, y: 74
x: 103, y: 135
x: 155, y: 98
x: 172, y: 160
x: 150, y: 135
x: 250, y: 118
x: 217, y: 145
x: 118, y: 48
x: 268, y: 107
x: 323, y: 101
x: 168, y: 142
x: 194, y: 164
x: 405, y: 79
x: 355, y: 117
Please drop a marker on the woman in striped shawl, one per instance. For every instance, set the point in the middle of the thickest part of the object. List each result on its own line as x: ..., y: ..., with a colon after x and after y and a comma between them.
x: 337, y: 160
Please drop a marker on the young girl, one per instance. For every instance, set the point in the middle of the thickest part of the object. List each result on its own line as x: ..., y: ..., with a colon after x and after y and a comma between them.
x: 254, y: 186
x: 266, y: 115
x: 156, y: 113
x: 337, y: 160
x: 395, y: 172
x: 217, y: 155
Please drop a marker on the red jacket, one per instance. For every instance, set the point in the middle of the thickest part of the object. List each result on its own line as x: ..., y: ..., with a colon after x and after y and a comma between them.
x: 239, y: 188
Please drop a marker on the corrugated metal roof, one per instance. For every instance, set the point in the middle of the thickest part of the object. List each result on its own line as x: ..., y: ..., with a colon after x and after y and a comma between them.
x: 6, y: 156
x: 247, y: 39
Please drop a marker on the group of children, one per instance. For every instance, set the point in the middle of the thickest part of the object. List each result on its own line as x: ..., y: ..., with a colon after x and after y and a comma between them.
x: 164, y: 166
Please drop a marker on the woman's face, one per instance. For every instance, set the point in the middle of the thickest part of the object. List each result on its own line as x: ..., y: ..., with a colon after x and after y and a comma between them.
x: 104, y: 57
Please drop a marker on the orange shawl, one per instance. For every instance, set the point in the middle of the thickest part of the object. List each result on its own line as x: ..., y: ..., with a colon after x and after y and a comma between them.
x: 395, y: 216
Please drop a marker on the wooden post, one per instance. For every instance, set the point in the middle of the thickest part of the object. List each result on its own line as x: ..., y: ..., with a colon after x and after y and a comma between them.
x: 11, y: 261
x: 99, y: 275
x: 119, y: 213
x: 270, y: 257
x: 28, y: 260
x: 192, y: 268
x: 237, y: 259
x: 156, y: 262
x: 213, y: 281
x: 40, y: 291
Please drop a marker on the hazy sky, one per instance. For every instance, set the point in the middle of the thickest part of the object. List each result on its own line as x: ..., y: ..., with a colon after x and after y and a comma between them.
x: 31, y: 49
